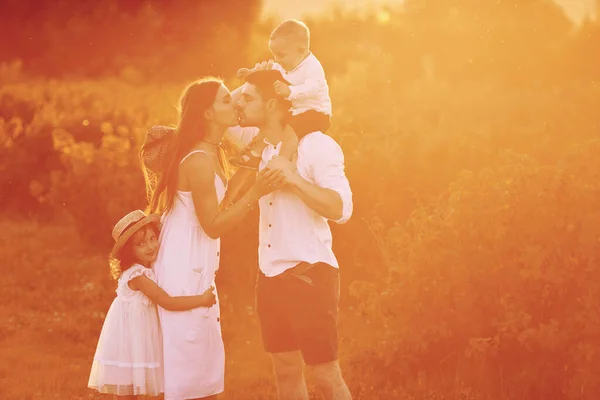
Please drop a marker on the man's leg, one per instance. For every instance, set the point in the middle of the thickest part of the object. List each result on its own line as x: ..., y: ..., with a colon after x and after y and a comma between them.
x: 315, y: 326
x: 279, y: 339
x: 289, y: 373
x: 329, y: 380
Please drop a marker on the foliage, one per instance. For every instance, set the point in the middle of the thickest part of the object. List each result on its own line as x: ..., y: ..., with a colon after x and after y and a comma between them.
x: 471, y: 260
x: 136, y: 40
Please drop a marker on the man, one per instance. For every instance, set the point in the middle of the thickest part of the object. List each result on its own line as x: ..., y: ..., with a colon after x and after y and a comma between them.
x: 297, y: 291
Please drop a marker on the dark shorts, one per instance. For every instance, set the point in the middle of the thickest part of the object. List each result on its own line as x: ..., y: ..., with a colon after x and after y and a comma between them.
x: 308, y: 122
x: 300, y: 313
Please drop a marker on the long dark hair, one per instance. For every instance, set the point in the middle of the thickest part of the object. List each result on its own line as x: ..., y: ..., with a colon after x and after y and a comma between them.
x: 192, y: 127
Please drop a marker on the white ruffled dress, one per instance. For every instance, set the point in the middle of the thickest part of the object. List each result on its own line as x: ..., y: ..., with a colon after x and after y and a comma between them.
x: 128, y: 359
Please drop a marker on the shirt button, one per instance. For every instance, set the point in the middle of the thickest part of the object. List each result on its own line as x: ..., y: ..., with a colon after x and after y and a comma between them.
x: 218, y: 319
x: 268, y: 245
x: 218, y: 253
x: 269, y: 225
x: 270, y: 203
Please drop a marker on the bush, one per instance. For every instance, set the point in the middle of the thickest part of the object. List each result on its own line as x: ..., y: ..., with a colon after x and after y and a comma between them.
x: 72, y: 147
x: 509, y: 296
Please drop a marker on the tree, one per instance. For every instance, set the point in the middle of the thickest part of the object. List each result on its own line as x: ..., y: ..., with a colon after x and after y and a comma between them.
x: 167, y: 40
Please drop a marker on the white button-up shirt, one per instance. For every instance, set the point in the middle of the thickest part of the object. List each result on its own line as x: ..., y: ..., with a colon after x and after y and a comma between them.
x: 290, y: 232
x: 308, y: 86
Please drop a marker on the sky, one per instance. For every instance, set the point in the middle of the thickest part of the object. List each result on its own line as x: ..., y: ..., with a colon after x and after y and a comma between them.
x: 576, y: 9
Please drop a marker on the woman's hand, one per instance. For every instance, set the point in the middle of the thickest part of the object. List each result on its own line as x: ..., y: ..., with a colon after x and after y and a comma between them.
x: 284, y: 170
x: 267, y: 181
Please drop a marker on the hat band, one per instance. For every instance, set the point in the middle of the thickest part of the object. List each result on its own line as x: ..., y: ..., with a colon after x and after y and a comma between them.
x: 128, y: 227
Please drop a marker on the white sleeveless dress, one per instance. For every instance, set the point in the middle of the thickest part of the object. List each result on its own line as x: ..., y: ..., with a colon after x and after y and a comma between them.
x: 128, y: 358
x: 188, y: 259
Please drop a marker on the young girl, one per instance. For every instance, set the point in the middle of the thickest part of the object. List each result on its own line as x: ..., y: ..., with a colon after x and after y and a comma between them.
x: 128, y: 360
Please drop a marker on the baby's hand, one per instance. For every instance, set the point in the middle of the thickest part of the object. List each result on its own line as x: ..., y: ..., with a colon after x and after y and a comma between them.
x: 264, y: 65
x: 210, y: 297
x: 243, y: 73
x: 282, y: 89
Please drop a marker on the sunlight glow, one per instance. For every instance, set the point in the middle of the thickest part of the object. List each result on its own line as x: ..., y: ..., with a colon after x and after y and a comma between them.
x: 383, y: 16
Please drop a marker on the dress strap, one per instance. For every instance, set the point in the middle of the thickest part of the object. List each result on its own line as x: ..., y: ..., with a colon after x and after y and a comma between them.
x: 190, y: 153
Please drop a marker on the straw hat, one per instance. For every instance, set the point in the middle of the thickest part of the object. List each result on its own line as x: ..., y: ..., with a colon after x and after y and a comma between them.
x: 127, y: 226
x: 155, y: 147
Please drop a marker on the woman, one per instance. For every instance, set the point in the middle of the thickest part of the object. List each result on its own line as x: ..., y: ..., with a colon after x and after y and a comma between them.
x: 190, y: 189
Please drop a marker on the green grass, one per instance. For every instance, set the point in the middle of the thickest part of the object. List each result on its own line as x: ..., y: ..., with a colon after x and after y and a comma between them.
x: 54, y: 293
x: 53, y: 297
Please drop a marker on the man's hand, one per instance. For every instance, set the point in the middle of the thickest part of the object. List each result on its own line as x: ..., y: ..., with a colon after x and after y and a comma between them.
x: 282, y: 89
x: 285, y: 169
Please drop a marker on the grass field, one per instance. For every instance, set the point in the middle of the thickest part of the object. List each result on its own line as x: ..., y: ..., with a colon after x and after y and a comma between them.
x: 55, y: 291
x: 53, y: 297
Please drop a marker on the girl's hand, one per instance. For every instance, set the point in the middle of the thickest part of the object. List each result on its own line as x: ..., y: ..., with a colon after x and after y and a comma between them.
x: 209, y: 297
x: 171, y: 303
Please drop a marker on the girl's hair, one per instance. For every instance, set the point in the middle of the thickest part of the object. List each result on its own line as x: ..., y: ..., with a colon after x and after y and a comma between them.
x: 192, y: 127
x: 126, y: 259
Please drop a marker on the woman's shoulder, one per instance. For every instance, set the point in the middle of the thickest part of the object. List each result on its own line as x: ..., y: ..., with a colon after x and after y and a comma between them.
x: 197, y: 158
x: 199, y: 167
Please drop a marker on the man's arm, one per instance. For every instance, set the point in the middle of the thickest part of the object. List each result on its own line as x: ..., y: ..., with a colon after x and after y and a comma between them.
x: 330, y: 196
x: 325, y: 202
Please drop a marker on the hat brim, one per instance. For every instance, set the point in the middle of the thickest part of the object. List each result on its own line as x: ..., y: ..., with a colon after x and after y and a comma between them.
x: 129, y: 232
x: 156, y: 147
